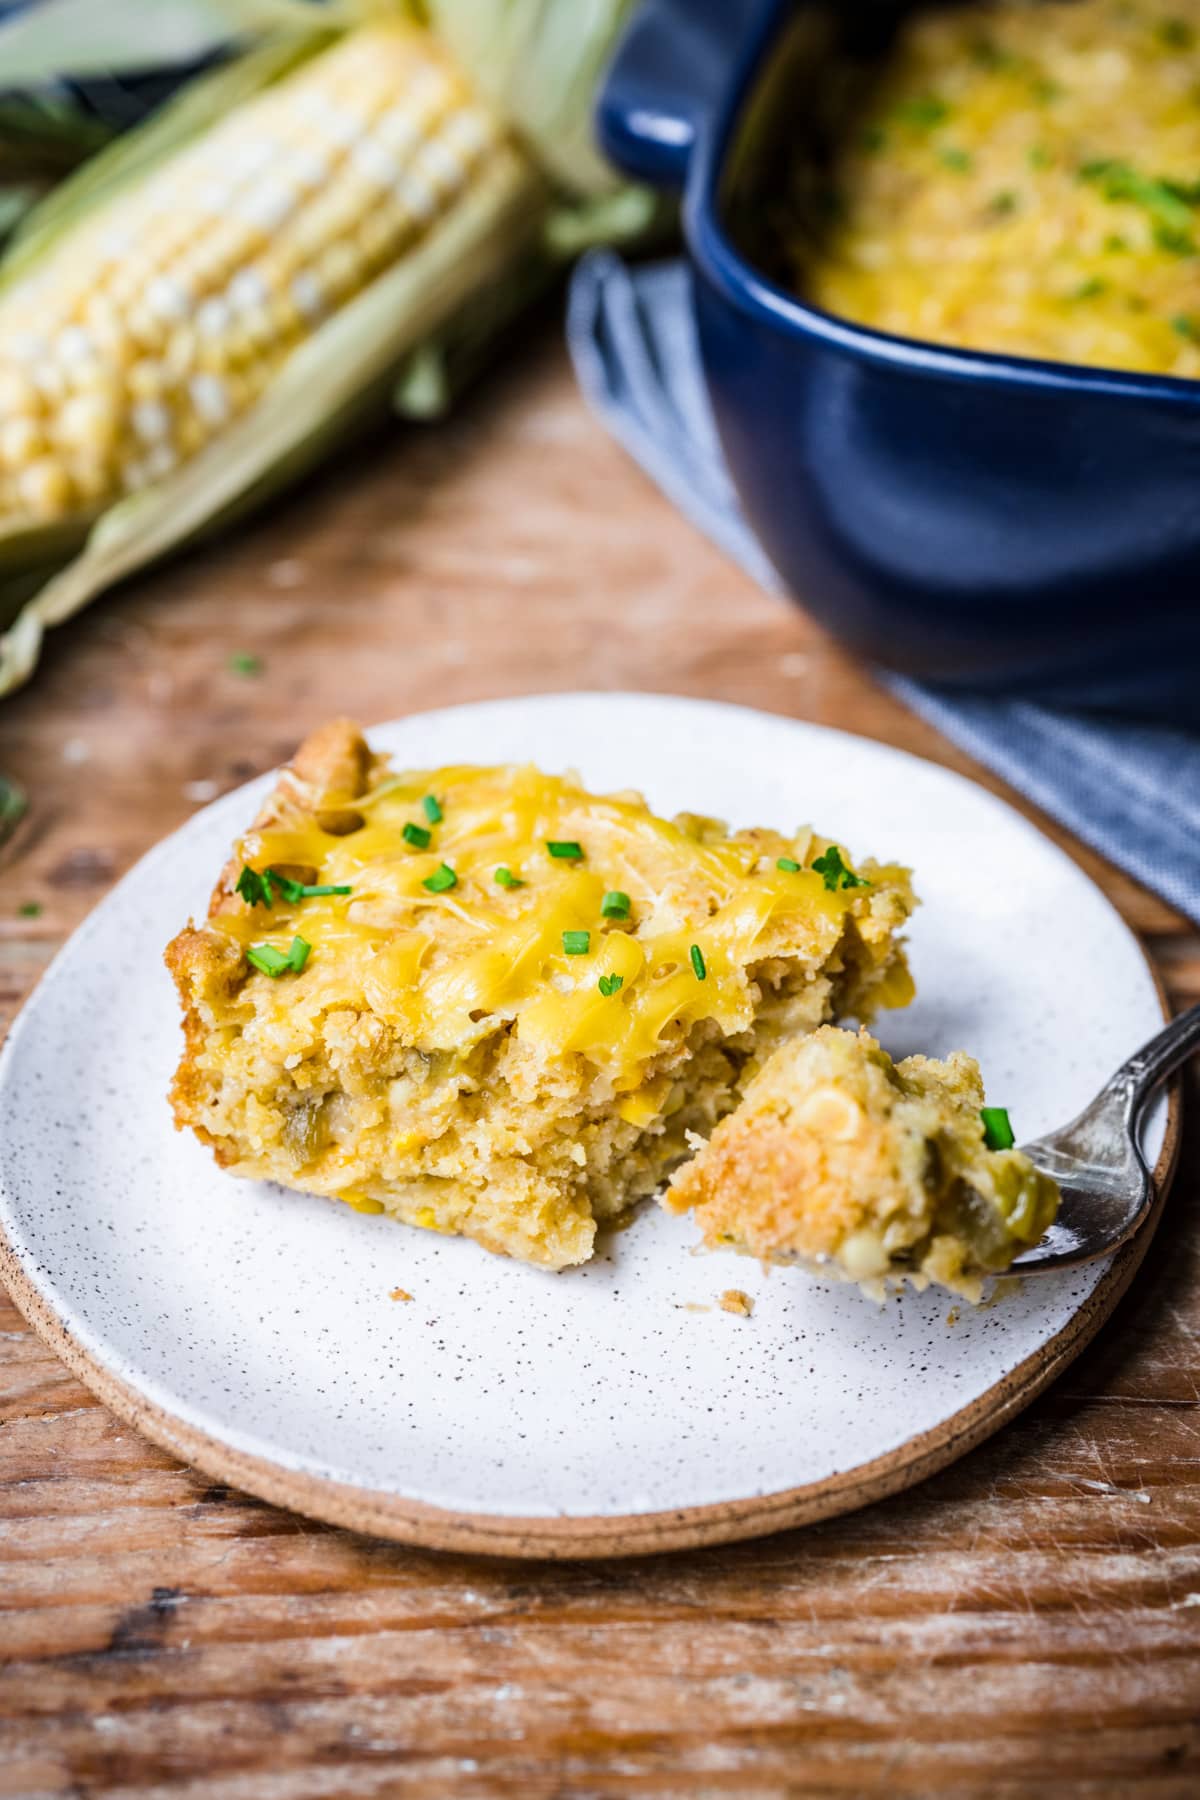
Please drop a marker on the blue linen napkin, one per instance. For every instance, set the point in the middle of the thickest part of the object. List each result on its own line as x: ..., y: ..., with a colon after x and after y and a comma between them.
x: 1130, y: 790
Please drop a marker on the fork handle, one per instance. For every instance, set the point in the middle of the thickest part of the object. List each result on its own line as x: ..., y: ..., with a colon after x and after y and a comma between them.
x: 1148, y: 1067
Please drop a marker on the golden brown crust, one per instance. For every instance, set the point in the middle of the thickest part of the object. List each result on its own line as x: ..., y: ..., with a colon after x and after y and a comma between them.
x: 333, y: 764
x: 759, y: 1169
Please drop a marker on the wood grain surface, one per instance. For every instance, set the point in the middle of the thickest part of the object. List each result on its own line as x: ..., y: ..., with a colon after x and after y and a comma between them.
x: 1026, y: 1623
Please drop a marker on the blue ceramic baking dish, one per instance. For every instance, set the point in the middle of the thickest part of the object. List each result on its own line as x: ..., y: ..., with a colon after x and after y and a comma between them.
x: 983, y: 521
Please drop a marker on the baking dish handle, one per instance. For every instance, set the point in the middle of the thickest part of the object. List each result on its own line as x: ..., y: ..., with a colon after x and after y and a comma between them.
x: 674, y: 66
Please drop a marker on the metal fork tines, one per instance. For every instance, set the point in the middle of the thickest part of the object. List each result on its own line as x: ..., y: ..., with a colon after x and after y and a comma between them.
x: 1097, y: 1162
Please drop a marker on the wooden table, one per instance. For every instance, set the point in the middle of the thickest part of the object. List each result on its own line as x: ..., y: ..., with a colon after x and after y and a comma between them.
x: 1026, y: 1623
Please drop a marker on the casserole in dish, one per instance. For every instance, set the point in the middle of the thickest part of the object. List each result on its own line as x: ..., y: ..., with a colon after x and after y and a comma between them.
x: 986, y: 520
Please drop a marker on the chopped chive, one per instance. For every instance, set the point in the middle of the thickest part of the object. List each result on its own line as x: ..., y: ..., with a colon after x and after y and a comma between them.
x: 299, y: 890
x: 997, y: 1128
x: 267, y: 958
x: 416, y: 835
x: 924, y: 112
x: 953, y: 158
x: 1175, y: 243
x: 255, y: 889
x: 259, y: 890
x: 1115, y: 243
x: 1003, y: 204
x: 992, y: 56
x: 615, y: 905
x: 30, y: 909
x: 698, y: 963
x: 275, y: 962
x: 442, y: 879
x: 1176, y: 34
x: 577, y: 943
x: 1040, y: 157
x: 1187, y: 327
x: 610, y: 985
x: 566, y: 849
x: 874, y: 139
x: 1089, y: 289
x: 506, y: 879
x: 432, y: 810
x: 1168, y: 203
x: 244, y: 662
x: 788, y: 864
x: 835, y: 873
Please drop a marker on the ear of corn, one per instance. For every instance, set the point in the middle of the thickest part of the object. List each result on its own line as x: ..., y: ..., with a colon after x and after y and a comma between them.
x: 225, y: 292
x: 198, y: 107
x: 316, y: 397
x: 30, y: 551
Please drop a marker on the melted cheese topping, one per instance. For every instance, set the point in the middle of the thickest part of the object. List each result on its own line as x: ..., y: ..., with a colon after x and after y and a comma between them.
x: 445, y: 970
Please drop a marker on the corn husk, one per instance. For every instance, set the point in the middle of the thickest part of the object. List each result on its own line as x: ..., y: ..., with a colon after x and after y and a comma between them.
x: 413, y: 338
x: 540, y: 62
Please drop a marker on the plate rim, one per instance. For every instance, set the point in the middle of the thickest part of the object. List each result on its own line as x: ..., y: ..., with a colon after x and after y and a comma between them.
x: 566, y: 1537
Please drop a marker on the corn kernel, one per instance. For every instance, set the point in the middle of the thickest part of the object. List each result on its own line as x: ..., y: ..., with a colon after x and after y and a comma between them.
x: 17, y: 393
x: 830, y: 1114
x: 147, y: 381
x: 339, y: 269
x: 45, y: 489
x: 51, y: 382
x: 210, y: 398
x: 20, y: 440
x: 360, y: 1202
x: 151, y: 421
x: 93, y: 478
x: 86, y: 422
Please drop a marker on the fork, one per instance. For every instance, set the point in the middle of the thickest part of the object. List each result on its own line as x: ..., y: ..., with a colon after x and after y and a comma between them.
x: 1107, y: 1190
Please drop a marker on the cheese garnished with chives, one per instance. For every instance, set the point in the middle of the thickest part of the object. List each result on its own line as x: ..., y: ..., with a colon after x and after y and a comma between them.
x: 430, y: 944
x: 514, y: 1030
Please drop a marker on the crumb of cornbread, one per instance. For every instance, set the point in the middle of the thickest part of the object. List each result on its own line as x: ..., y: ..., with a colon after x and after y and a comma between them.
x: 839, y: 1158
x: 399, y: 1293
x: 489, y: 1037
x: 734, y: 1300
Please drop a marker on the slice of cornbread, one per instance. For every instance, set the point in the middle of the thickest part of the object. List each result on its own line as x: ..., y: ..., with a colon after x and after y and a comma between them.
x: 510, y: 1001
x: 839, y: 1158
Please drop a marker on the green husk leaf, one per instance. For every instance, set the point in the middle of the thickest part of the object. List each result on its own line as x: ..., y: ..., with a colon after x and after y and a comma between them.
x: 540, y: 62
x: 102, y: 37
x: 31, y: 554
x: 318, y: 394
x: 16, y: 201
x: 438, y: 371
x: 45, y: 134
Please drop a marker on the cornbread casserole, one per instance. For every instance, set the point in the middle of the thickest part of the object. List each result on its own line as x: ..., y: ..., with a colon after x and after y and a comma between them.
x: 486, y: 1001
x: 1020, y: 178
x: 839, y: 1158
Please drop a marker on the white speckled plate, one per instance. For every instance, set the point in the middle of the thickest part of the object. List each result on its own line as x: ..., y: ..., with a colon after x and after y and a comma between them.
x: 615, y: 1408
